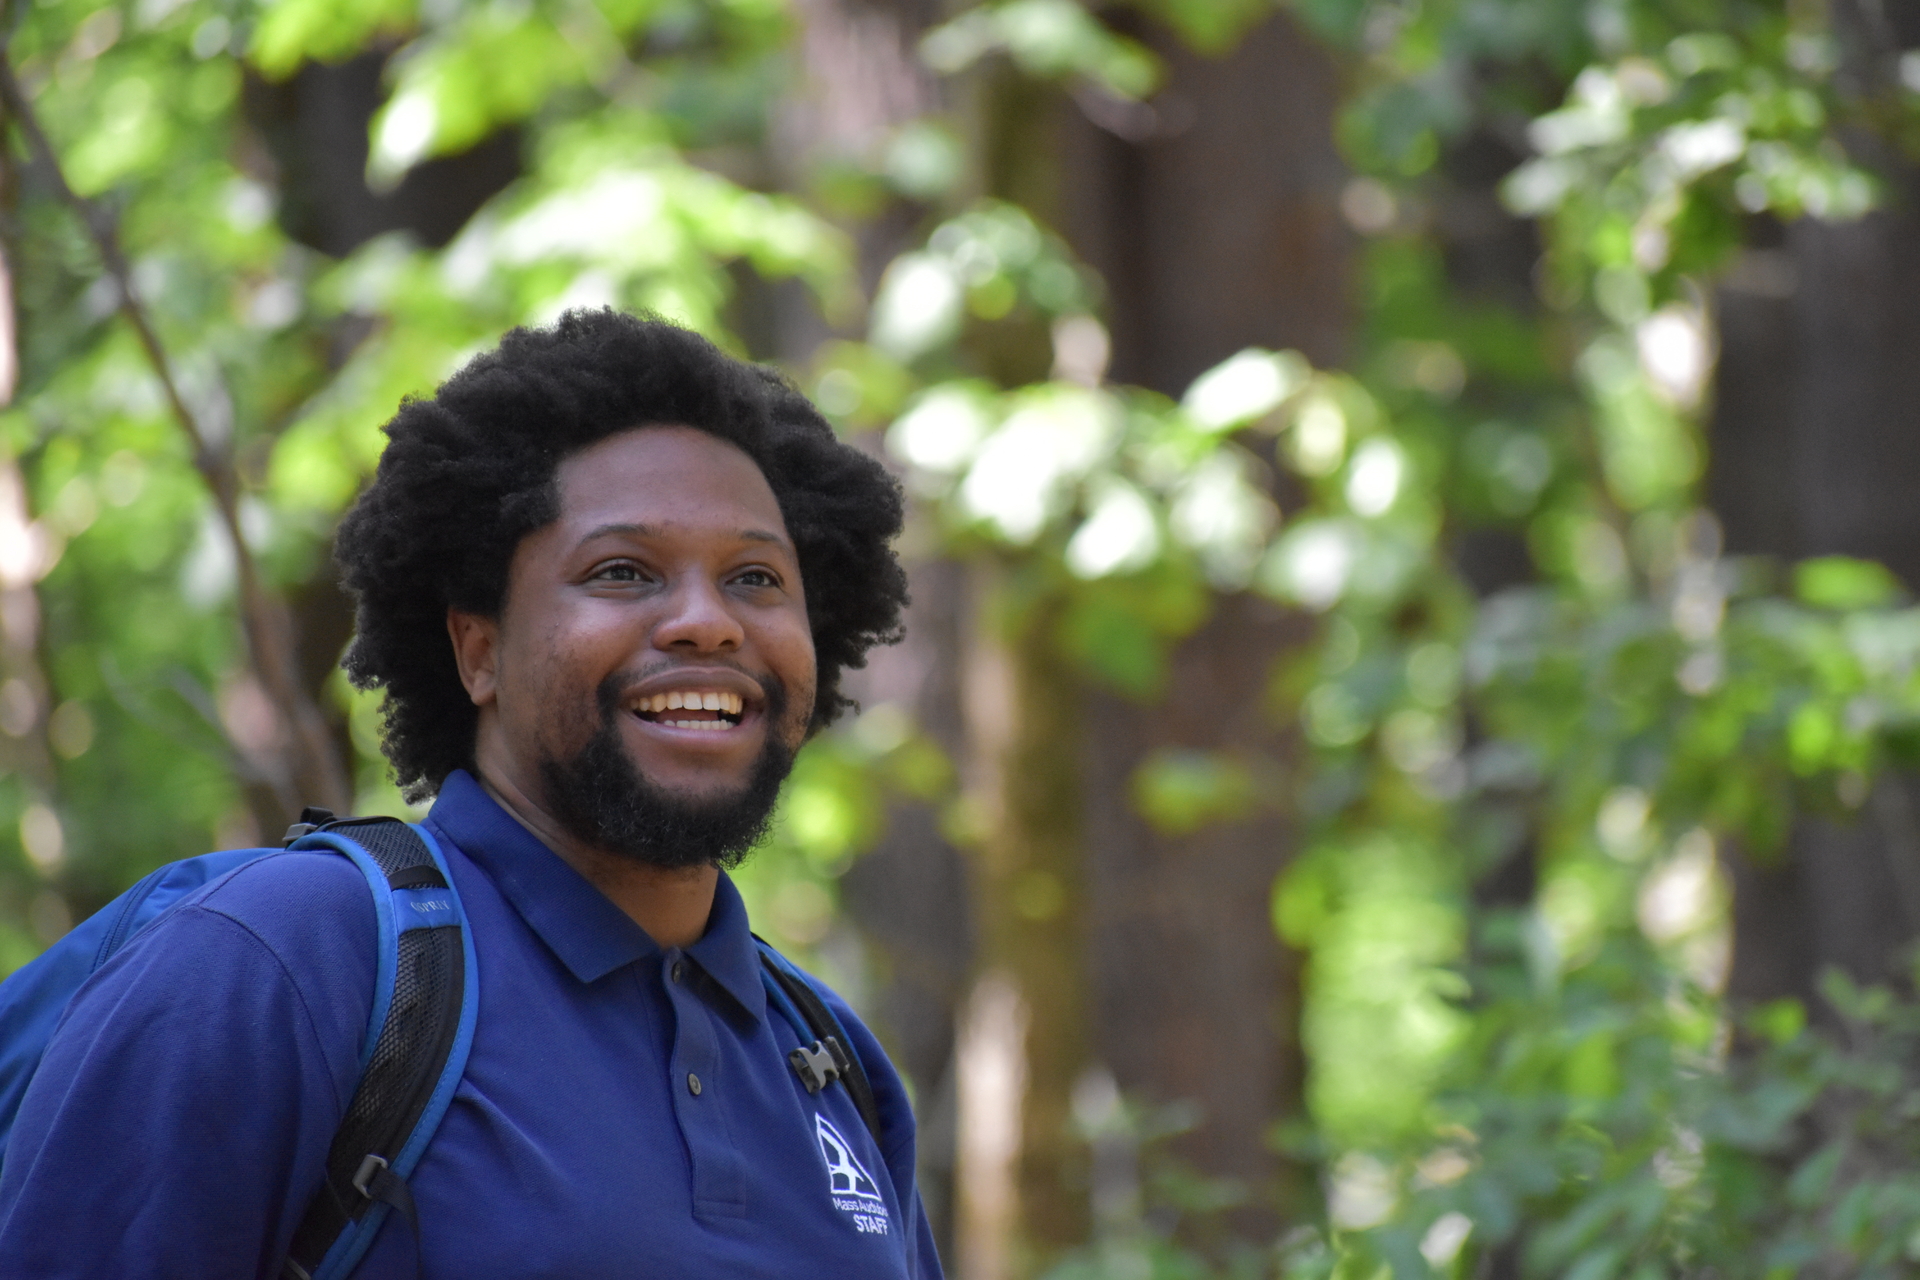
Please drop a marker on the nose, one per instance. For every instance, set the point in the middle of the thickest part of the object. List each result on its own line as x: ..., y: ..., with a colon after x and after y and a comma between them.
x: 697, y: 619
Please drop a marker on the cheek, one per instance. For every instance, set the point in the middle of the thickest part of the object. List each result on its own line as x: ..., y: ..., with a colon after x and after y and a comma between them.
x: 553, y: 698
x: 794, y: 662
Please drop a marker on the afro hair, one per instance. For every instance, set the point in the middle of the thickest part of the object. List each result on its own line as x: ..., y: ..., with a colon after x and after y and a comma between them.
x: 469, y: 473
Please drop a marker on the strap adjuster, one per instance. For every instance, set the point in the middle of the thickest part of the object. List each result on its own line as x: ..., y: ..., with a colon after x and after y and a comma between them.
x: 377, y: 1181
x: 370, y: 1168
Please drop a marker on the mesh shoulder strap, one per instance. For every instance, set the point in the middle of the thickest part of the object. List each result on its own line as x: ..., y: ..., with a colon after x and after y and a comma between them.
x: 416, y: 1047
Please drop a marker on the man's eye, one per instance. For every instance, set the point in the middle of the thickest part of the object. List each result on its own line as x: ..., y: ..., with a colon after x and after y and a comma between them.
x: 618, y: 573
x: 757, y: 578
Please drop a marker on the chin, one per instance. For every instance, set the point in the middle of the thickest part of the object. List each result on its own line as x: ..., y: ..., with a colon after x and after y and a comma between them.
x: 607, y: 799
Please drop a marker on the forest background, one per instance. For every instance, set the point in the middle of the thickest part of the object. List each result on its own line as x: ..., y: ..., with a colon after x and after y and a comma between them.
x: 1402, y: 759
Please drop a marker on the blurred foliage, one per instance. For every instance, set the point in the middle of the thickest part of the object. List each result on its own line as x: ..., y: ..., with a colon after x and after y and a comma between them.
x: 1153, y: 1215
x: 1553, y: 1085
x: 1557, y: 1080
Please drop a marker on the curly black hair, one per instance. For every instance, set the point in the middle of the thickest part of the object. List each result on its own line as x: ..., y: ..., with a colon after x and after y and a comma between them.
x: 469, y: 473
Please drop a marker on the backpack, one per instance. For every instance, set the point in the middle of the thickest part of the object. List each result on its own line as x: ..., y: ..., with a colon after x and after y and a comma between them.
x: 418, y: 1035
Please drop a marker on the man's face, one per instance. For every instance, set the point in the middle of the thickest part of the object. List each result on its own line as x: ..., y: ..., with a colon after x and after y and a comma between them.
x: 652, y: 668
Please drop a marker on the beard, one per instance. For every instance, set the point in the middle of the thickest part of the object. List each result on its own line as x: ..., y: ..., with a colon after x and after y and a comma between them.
x: 603, y: 799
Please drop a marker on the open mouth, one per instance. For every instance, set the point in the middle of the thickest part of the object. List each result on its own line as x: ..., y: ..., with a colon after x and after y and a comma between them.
x: 709, y: 710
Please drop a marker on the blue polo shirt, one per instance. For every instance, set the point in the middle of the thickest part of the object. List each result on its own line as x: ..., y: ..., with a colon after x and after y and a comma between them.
x: 179, y: 1124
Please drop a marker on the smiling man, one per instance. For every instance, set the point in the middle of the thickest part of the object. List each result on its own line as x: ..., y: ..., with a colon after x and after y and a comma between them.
x: 609, y: 579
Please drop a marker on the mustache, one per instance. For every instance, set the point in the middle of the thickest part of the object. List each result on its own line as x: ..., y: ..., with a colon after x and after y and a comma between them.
x: 615, y: 687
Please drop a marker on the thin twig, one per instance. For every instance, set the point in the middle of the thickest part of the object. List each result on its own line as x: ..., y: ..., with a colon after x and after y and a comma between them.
x: 314, y: 773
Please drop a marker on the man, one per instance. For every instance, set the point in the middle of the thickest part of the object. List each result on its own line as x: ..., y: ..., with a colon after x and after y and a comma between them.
x: 609, y: 579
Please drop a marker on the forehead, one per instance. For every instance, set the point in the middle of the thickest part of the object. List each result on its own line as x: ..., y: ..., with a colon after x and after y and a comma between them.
x: 667, y: 477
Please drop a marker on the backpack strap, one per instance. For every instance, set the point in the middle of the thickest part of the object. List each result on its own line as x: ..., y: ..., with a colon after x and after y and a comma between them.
x: 418, y: 1036
x: 832, y: 1055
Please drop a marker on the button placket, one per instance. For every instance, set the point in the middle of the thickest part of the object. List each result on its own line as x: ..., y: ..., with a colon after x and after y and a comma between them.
x: 719, y: 1181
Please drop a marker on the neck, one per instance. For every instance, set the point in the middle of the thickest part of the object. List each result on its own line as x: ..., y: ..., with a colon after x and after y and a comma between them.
x: 671, y: 903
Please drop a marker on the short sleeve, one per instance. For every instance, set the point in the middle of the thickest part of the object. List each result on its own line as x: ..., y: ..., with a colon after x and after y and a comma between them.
x: 180, y: 1120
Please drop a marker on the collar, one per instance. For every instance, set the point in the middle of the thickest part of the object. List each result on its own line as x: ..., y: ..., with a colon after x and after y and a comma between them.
x: 580, y: 925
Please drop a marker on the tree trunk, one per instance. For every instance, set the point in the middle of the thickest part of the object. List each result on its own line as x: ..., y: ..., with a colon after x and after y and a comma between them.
x: 1815, y: 453
x: 1024, y: 713
x: 911, y: 897
x: 1198, y: 1001
x: 1217, y: 227
x: 1098, y: 940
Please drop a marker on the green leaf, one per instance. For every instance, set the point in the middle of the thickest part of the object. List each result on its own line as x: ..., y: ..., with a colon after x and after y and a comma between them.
x: 1212, y: 26
x: 1592, y: 1071
x: 1180, y: 791
x: 1841, y: 582
x: 1812, y: 1182
x: 1047, y: 39
x: 294, y: 31
x: 1779, y: 1020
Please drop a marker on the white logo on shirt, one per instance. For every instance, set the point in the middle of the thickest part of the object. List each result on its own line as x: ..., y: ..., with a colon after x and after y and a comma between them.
x: 853, y: 1188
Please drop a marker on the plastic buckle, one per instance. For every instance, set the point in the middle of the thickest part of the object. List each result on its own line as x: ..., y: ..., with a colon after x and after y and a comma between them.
x: 819, y: 1064
x: 312, y: 818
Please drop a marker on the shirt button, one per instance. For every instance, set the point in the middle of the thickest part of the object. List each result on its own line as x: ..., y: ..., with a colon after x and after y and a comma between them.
x: 693, y: 1084
x: 678, y: 972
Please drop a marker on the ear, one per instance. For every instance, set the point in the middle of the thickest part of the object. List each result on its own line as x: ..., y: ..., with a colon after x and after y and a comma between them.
x: 475, y: 648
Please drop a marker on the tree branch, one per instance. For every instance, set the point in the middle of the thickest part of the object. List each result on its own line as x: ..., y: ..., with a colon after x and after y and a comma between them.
x: 312, y: 770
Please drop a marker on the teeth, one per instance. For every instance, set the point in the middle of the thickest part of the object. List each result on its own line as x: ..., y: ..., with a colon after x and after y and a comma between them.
x: 702, y: 700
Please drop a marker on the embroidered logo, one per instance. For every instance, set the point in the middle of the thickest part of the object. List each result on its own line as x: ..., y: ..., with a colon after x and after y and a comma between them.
x: 854, y: 1191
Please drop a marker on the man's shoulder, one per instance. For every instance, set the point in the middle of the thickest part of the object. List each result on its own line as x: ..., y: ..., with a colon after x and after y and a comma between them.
x: 219, y: 1045
x: 310, y: 911
x: 293, y: 895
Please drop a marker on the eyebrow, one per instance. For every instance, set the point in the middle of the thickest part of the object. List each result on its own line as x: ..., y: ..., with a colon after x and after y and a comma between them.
x: 654, y: 531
